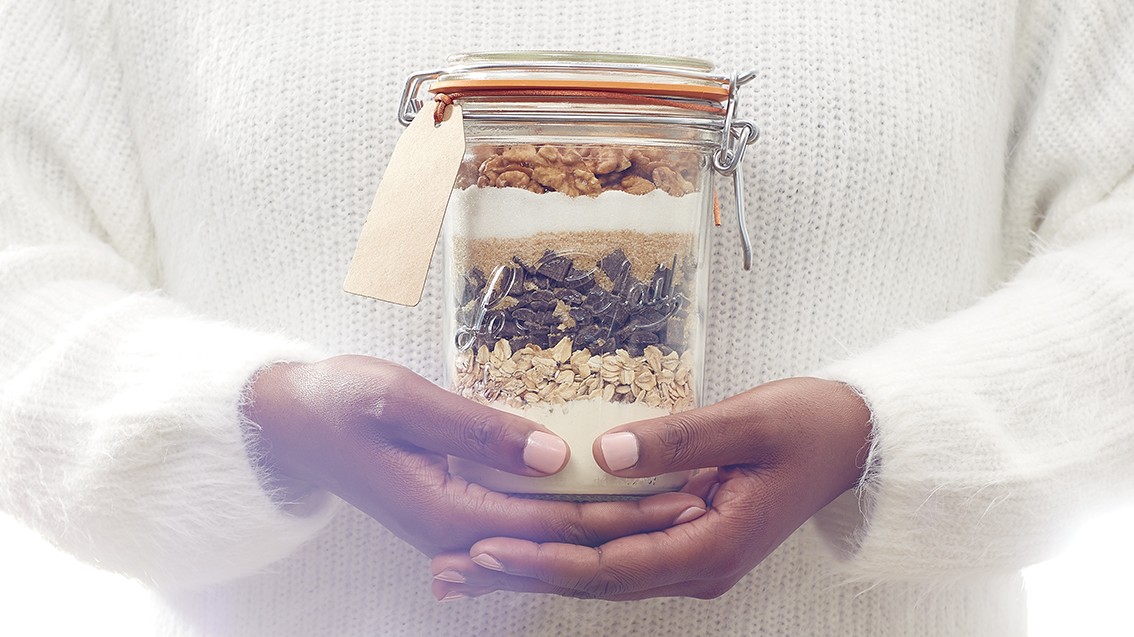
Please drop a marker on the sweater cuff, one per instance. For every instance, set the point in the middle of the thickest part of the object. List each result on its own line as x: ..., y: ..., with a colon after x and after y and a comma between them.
x: 995, y: 429
x: 229, y: 523
x: 146, y: 467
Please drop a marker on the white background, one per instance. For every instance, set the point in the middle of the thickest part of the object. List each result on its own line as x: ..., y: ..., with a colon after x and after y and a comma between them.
x: 1085, y: 592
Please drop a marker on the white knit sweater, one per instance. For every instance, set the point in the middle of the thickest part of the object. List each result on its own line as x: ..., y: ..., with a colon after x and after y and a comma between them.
x: 943, y: 215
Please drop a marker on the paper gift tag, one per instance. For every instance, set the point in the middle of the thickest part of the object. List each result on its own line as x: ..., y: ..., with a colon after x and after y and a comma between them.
x: 392, y: 257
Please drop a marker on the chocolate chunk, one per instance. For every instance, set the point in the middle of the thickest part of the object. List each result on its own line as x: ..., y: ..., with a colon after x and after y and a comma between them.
x: 539, y: 337
x: 579, y: 280
x: 642, y: 337
x: 599, y: 301
x: 513, y: 279
x: 474, y: 286
x: 510, y: 330
x: 606, y: 345
x: 555, y: 268
x: 667, y: 307
x: 588, y: 336
x: 615, y: 265
x: 524, y: 314
x: 528, y: 269
x: 519, y: 342
x: 541, y: 300
x: 616, y: 317
x: 651, y: 319
x: 581, y: 315
x: 570, y: 297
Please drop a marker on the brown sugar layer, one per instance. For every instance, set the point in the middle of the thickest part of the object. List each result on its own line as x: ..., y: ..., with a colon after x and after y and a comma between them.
x: 644, y: 251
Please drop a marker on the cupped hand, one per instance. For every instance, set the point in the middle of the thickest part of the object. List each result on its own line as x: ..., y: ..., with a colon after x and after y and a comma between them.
x: 783, y: 451
x: 378, y: 436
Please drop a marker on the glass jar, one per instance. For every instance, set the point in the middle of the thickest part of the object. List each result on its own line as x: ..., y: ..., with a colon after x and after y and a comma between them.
x: 576, y: 246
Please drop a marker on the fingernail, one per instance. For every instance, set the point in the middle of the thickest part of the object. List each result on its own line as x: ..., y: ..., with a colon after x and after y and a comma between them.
x: 544, y: 452
x: 712, y: 493
x: 451, y: 576
x: 452, y: 596
x: 620, y: 450
x: 692, y: 513
x: 487, y: 561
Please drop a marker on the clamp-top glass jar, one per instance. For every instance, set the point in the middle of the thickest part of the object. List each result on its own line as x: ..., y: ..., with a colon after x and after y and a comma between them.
x: 576, y: 242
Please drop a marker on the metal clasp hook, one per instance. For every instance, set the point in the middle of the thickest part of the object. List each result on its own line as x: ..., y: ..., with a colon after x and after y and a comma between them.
x: 735, y: 137
x: 409, y: 105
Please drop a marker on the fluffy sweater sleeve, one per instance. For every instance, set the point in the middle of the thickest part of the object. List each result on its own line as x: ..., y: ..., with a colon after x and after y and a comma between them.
x: 120, y: 427
x: 997, y: 429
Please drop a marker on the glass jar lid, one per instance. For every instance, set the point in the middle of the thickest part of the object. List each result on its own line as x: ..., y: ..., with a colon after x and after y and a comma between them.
x: 615, y: 73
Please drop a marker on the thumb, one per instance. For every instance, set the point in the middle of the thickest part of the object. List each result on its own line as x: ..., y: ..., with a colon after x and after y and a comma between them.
x: 440, y: 421
x: 726, y: 433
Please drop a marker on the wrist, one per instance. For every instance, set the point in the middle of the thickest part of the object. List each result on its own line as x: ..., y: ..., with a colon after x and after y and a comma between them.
x: 827, y: 422
x: 275, y: 425
x: 851, y: 420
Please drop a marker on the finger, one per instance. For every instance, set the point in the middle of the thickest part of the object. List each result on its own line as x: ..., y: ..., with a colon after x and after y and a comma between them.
x: 703, y: 484
x: 486, y: 513
x: 457, y: 576
x: 625, y: 566
x: 484, y: 581
x: 726, y: 433
x: 440, y: 421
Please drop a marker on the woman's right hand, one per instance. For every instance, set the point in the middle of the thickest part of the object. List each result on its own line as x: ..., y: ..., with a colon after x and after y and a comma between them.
x: 378, y: 436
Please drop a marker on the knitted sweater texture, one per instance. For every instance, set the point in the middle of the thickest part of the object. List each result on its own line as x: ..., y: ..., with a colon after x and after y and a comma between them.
x: 942, y: 210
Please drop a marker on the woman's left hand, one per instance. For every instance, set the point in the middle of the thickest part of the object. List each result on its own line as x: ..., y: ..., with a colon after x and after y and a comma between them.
x: 784, y: 450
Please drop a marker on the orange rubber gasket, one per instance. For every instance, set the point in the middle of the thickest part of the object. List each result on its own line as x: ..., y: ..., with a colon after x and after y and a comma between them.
x: 715, y: 93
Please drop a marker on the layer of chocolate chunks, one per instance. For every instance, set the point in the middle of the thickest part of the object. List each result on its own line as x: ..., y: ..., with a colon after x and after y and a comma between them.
x: 540, y: 303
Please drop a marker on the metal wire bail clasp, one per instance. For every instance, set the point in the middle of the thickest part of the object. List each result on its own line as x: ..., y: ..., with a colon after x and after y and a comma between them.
x: 409, y: 105
x: 736, y: 135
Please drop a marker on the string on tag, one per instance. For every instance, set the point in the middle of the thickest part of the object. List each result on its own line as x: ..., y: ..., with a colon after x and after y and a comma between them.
x: 443, y: 101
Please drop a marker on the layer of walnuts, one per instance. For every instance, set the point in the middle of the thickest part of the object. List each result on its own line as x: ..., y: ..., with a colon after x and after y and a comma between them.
x: 582, y: 170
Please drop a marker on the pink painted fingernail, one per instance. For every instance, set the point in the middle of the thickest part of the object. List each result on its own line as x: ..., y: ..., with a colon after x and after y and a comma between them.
x: 692, y: 513
x: 452, y: 596
x: 544, y: 452
x: 620, y: 450
x: 487, y: 561
x: 451, y: 576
